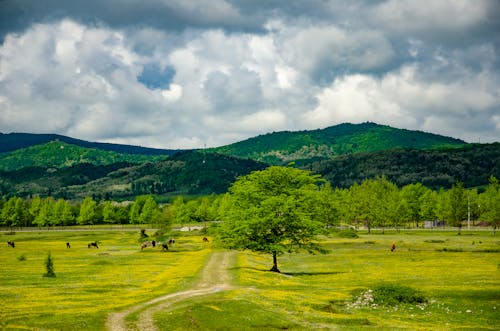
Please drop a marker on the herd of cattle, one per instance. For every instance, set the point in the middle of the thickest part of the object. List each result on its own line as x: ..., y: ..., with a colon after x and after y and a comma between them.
x: 152, y: 243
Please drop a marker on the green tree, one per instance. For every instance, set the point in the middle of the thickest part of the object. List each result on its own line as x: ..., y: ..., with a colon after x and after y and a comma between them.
x: 49, y: 266
x: 87, y: 213
x: 108, y: 213
x: 13, y: 213
x: 457, y: 206
x: 412, y: 194
x: 270, y: 212
x: 490, y: 202
x: 45, y: 212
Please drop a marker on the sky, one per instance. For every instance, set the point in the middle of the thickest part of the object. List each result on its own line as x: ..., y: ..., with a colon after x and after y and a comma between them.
x: 194, y: 73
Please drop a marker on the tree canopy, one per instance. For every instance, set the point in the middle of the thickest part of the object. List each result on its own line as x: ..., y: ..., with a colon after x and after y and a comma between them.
x: 273, y: 211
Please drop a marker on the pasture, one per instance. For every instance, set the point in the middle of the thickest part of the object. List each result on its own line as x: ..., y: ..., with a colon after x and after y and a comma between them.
x: 458, y: 275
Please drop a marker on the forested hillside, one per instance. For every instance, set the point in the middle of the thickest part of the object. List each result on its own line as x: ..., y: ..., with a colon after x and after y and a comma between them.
x: 59, y: 154
x: 13, y: 141
x: 188, y: 173
x: 284, y: 147
x: 472, y: 165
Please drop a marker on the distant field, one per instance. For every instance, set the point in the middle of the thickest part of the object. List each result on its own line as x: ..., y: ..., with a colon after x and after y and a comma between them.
x: 458, y: 275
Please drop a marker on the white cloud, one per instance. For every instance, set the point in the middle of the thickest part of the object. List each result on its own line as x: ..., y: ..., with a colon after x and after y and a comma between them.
x: 320, y: 67
x: 405, y: 99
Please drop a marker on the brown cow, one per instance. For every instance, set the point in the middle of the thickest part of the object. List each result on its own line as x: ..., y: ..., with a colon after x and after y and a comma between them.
x: 393, y: 247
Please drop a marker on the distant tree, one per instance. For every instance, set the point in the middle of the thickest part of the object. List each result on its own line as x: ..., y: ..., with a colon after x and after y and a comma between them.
x: 327, y: 206
x: 13, y: 213
x: 428, y: 203
x: 87, y: 213
x: 377, y: 202
x: 149, y: 211
x: 490, y: 201
x: 412, y: 194
x: 45, y: 212
x: 458, y: 205
x: 108, y: 213
x: 270, y: 212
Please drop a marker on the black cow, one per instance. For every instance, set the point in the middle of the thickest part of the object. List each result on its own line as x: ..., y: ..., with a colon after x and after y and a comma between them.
x: 11, y: 244
x: 93, y: 244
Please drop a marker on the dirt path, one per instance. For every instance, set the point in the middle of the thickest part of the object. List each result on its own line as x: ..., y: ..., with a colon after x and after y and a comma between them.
x: 215, y: 278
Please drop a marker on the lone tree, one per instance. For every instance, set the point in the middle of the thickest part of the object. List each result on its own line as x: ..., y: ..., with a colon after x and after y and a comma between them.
x: 274, y: 211
x: 49, y: 265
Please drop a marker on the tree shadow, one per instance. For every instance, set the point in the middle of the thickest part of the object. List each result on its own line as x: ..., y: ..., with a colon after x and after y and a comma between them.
x: 313, y: 273
x: 297, y: 273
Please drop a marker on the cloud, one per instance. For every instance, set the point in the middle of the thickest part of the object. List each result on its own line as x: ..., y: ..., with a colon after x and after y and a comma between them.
x: 405, y: 99
x: 181, y: 74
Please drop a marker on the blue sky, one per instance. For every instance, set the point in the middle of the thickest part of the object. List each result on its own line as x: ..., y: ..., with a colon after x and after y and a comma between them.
x: 184, y: 74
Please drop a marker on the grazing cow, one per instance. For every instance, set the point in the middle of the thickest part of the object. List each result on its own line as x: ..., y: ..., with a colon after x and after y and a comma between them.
x: 205, y: 239
x: 144, y: 245
x: 68, y: 245
x: 94, y: 244
x: 11, y: 244
x: 171, y: 241
x: 393, y: 247
x: 164, y: 247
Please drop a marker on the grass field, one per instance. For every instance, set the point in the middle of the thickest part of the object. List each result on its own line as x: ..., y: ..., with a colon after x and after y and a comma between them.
x: 458, y: 275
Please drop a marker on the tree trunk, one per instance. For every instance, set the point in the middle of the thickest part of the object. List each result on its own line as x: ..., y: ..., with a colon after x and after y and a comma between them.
x: 275, y: 263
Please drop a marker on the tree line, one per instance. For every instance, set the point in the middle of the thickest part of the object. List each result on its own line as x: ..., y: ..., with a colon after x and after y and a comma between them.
x: 374, y: 203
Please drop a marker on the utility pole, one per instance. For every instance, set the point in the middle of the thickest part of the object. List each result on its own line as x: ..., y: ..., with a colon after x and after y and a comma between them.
x: 468, y: 211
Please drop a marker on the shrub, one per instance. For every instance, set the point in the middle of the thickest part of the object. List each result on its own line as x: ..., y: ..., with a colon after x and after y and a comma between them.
x: 393, y: 294
x: 49, y: 265
x: 21, y: 257
x: 350, y: 233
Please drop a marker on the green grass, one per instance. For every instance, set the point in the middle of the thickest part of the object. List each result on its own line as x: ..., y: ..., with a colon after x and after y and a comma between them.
x: 459, y: 276
x: 460, y: 290
x: 89, y: 283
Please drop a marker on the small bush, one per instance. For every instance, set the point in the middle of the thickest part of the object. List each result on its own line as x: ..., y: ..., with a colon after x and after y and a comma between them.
x: 434, y: 241
x: 392, y: 295
x: 21, y: 257
x: 455, y: 250
x: 49, y: 265
x: 350, y: 233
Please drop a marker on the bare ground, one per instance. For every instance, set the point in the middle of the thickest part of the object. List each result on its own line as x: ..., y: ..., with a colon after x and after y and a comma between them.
x: 215, y: 278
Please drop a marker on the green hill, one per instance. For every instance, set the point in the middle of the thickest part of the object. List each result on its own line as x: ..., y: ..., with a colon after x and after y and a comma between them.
x: 186, y: 173
x: 59, y: 154
x: 472, y: 165
x: 13, y: 141
x: 284, y: 147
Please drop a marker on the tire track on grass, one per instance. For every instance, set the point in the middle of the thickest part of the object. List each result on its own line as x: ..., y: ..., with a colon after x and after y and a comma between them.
x: 215, y: 278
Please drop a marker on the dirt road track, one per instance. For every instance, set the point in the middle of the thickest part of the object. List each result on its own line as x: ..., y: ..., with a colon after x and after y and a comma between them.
x: 215, y: 278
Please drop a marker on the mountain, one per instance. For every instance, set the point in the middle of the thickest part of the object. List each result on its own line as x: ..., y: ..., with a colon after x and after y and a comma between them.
x: 13, y: 141
x: 284, y: 147
x: 186, y: 173
x: 472, y: 165
x: 59, y: 154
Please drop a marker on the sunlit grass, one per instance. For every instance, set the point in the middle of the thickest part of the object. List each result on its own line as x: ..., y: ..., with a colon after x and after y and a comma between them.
x: 461, y: 284
x: 318, y: 291
x: 89, y: 283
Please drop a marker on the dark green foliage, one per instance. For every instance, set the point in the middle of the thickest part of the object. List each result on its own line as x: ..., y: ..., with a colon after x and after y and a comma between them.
x: 13, y: 141
x: 184, y: 173
x: 307, y: 146
x: 349, y: 233
x: 49, y: 266
x: 393, y: 295
x: 57, y: 154
x: 472, y: 165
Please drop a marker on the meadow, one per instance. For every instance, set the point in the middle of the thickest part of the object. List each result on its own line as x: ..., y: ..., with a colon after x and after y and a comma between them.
x: 459, y: 277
